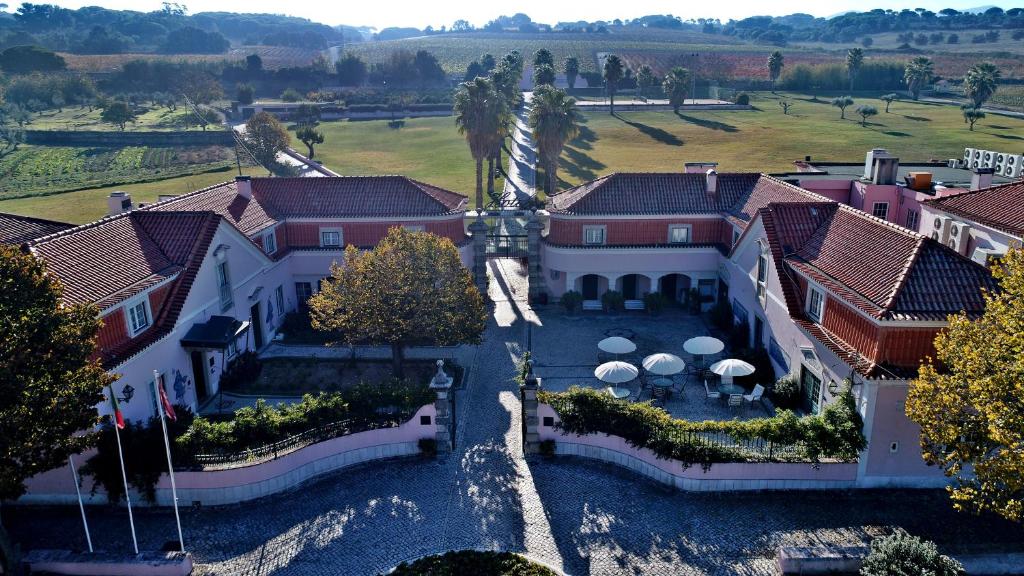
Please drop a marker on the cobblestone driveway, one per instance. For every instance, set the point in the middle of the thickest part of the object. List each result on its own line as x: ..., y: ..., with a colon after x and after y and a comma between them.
x: 582, y: 517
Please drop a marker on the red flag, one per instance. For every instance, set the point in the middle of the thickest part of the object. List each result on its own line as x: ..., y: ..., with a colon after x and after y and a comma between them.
x: 118, y: 416
x: 168, y: 409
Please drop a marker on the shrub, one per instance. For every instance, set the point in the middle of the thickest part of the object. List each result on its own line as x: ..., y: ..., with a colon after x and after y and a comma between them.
x: 547, y: 448
x: 901, y: 553
x: 835, y: 433
x: 291, y: 95
x: 654, y: 302
x: 472, y: 562
x: 427, y: 446
x: 243, y: 369
x: 743, y: 99
x: 572, y: 300
x: 786, y: 392
x: 612, y: 300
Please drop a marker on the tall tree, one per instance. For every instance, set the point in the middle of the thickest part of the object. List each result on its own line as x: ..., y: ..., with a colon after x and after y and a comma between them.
x: 410, y: 288
x: 479, y: 112
x: 543, y: 75
x: 572, y: 70
x: 775, y: 63
x: 842, y: 102
x: 49, y: 386
x: 676, y: 86
x: 554, y: 121
x: 854, y: 61
x: 981, y: 82
x: 309, y: 135
x: 265, y: 137
x: 543, y: 56
x: 968, y: 400
x: 613, y: 72
x: 488, y: 62
x: 917, y: 75
x: 645, y: 79
x: 351, y: 70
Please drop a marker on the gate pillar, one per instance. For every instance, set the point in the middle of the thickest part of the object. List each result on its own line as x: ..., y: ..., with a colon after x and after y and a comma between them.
x: 536, y: 278
x: 478, y: 229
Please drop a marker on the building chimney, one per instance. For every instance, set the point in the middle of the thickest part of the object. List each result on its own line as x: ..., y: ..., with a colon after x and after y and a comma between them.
x: 244, y: 186
x: 869, y: 161
x: 981, y: 178
x: 711, y: 177
x: 119, y: 202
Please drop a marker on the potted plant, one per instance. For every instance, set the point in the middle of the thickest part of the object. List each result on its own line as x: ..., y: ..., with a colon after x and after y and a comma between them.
x: 612, y: 301
x: 572, y: 300
x: 694, y: 301
x: 654, y: 302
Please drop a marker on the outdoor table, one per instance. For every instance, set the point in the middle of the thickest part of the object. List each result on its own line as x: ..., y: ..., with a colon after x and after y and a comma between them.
x: 617, y: 393
x: 729, y: 389
x: 661, y: 386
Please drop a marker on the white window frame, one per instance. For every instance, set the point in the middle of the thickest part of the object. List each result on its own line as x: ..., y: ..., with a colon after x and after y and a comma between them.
x: 815, y: 312
x: 688, y: 232
x: 224, y: 289
x: 279, y: 296
x: 595, y: 228
x: 341, y: 237
x: 415, y: 227
x: 916, y: 217
x: 303, y: 301
x: 761, y: 274
x: 129, y: 315
x: 270, y: 242
x: 884, y: 206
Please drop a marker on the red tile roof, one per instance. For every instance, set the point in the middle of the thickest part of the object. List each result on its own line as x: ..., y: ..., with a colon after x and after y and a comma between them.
x: 1000, y: 207
x: 653, y: 193
x: 16, y: 229
x: 247, y: 215
x: 355, y: 196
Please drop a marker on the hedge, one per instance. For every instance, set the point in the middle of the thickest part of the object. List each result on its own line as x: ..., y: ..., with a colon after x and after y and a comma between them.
x: 472, y: 562
x: 835, y: 433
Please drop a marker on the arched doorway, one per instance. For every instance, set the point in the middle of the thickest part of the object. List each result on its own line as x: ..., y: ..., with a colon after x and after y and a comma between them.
x: 675, y: 287
x: 590, y: 286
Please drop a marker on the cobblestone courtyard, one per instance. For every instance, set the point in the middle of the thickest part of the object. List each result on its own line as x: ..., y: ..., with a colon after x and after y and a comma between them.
x: 578, y: 516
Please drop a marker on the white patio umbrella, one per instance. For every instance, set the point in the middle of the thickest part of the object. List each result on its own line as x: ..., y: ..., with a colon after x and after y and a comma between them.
x: 616, y: 372
x: 730, y: 368
x: 664, y: 364
x: 703, y: 345
x: 616, y: 345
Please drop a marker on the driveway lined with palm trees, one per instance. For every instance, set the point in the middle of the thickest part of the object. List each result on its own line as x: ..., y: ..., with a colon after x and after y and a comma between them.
x: 521, y: 176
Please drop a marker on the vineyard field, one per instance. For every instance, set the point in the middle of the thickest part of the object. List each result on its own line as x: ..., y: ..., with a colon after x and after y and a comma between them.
x: 890, y: 41
x: 43, y: 170
x: 155, y: 118
x: 274, y: 57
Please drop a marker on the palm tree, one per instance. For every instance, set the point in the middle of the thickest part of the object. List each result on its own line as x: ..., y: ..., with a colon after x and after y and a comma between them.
x: 543, y: 56
x: 645, y: 79
x: 676, y: 85
x: 917, y: 75
x: 554, y: 120
x: 613, y: 71
x: 775, y: 63
x: 572, y: 70
x: 479, y: 113
x: 543, y: 74
x: 981, y: 82
x: 854, y: 60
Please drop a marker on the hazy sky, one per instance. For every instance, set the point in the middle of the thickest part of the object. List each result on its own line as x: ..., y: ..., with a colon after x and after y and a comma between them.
x: 419, y: 13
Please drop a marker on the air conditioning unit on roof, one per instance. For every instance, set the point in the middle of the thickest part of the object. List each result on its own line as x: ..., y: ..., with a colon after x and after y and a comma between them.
x: 999, y: 162
x: 1014, y: 166
x: 940, y: 228
x: 985, y: 256
x: 988, y: 159
x: 968, y: 155
x: 959, y: 237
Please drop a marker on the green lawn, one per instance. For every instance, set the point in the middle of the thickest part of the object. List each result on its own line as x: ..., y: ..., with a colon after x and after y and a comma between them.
x: 766, y: 140
x: 77, y: 118
x: 86, y: 205
x: 427, y: 149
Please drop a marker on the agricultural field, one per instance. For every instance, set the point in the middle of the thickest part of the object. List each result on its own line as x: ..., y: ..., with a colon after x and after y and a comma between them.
x: 274, y: 57
x: 43, y: 170
x: 84, y: 206
x: 155, y: 118
x: 766, y: 140
x: 890, y: 41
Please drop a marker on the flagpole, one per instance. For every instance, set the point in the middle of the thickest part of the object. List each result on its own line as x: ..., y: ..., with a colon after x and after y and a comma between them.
x: 78, y: 489
x: 124, y: 476
x: 167, y: 446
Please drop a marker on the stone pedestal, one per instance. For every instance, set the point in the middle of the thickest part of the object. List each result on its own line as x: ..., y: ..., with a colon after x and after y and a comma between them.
x: 531, y: 423
x: 441, y: 384
x: 478, y: 229
x: 536, y: 278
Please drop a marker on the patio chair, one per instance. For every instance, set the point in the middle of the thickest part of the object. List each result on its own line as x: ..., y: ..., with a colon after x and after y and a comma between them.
x: 709, y: 395
x: 754, y: 396
x: 735, y: 401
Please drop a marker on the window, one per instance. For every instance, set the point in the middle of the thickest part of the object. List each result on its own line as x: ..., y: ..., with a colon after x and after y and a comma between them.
x: 303, y: 292
x: 811, y: 384
x: 270, y: 243
x: 762, y: 275
x: 279, y: 294
x: 679, y: 233
x: 913, y: 219
x: 739, y: 312
x: 880, y: 210
x: 593, y: 234
x: 232, y: 350
x: 414, y: 227
x: 706, y: 289
x: 224, y: 286
x: 815, y: 304
x: 330, y: 237
x: 138, y: 317
x: 735, y: 237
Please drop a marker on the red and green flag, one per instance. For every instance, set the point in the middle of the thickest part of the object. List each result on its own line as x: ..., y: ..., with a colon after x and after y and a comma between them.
x: 118, y: 416
x: 164, y: 401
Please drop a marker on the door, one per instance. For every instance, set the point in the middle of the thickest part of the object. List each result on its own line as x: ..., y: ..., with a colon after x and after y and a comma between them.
x: 199, y: 374
x: 590, y: 287
x: 758, y: 333
x: 810, y: 384
x: 629, y: 287
x: 257, y: 325
x: 668, y: 287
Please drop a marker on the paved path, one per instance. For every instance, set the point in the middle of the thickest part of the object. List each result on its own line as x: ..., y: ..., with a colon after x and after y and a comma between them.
x: 582, y: 517
x: 985, y: 109
x: 521, y: 176
x: 302, y: 164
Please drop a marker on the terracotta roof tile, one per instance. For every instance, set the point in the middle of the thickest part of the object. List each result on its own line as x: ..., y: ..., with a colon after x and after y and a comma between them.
x: 354, y: 196
x: 16, y: 229
x: 1000, y: 207
x: 247, y: 215
x: 653, y: 193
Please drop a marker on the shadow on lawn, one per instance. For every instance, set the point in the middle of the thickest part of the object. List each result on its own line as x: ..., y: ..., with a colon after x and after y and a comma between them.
x: 917, y: 118
x: 578, y: 164
x: 897, y: 133
x: 712, y: 124
x: 657, y: 134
